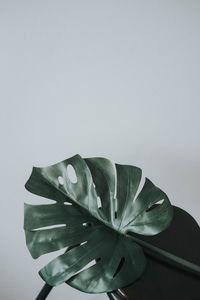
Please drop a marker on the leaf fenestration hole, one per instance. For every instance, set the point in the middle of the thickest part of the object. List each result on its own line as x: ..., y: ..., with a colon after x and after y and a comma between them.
x: 90, y: 264
x: 99, y: 204
x: 50, y: 227
x: 121, y: 263
x: 87, y: 224
x: 67, y: 203
x: 71, y: 174
x: 60, y: 180
x: 160, y: 202
x: 140, y: 187
x: 83, y: 243
x: 115, y: 215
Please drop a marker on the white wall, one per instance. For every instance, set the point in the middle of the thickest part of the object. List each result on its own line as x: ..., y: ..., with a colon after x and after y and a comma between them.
x: 109, y: 78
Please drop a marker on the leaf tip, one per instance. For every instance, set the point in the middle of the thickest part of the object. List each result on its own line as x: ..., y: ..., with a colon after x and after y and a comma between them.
x: 28, y: 183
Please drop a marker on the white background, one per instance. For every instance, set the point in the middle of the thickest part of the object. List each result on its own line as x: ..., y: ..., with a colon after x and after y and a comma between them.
x: 118, y: 79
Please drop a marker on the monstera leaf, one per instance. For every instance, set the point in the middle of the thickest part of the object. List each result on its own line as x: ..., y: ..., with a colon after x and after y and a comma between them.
x: 93, y: 215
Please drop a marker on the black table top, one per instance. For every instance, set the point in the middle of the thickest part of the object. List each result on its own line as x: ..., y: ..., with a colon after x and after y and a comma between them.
x: 162, y: 281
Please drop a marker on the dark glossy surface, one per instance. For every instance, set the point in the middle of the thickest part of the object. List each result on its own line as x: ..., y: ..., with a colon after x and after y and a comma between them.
x: 162, y: 281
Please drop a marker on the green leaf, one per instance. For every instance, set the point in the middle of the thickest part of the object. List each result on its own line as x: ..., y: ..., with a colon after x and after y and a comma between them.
x: 93, y: 215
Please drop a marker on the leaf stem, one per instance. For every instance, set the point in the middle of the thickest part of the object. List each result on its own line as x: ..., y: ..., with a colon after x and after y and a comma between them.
x: 44, y: 292
x: 166, y: 256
